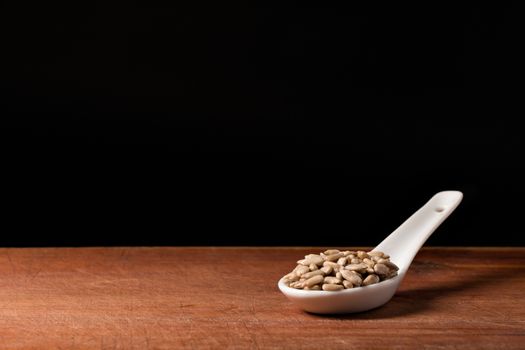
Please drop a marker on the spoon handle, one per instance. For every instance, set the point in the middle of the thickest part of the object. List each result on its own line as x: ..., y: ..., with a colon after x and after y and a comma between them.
x: 403, y: 244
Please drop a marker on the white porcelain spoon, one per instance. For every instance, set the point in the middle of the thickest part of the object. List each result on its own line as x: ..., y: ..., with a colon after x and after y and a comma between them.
x: 402, y: 245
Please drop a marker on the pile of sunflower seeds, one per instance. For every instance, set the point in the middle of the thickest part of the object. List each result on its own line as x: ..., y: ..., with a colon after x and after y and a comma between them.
x: 335, y: 270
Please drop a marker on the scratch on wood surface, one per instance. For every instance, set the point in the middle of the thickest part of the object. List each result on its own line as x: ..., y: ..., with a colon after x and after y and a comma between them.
x: 191, y: 332
x: 10, y: 261
x: 123, y: 254
x: 181, y: 305
x: 252, y: 336
x: 35, y: 274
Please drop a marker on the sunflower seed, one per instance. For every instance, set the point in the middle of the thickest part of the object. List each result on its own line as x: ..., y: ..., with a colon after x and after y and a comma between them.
x: 332, y: 280
x: 370, y: 279
x: 381, y: 269
x: 348, y: 284
x: 314, y: 280
x: 332, y: 287
x: 313, y: 273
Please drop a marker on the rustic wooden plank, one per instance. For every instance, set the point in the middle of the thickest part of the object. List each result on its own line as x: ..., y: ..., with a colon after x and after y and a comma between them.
x: 187, y: 298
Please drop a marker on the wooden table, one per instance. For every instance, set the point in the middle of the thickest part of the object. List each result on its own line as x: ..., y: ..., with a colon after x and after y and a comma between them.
x: 227, y: 298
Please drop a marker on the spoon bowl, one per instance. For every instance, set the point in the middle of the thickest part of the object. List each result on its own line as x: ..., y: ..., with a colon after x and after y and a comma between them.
x: 402, y: 245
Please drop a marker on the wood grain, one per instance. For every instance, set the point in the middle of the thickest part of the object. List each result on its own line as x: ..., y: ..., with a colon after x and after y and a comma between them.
x: 227, y: 298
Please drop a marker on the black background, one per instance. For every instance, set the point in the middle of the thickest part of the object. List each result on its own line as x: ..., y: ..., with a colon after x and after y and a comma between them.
x: 302, y: 125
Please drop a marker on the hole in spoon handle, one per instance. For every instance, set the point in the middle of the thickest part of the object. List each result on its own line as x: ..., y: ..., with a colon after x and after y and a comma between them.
x: 440, y: 209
